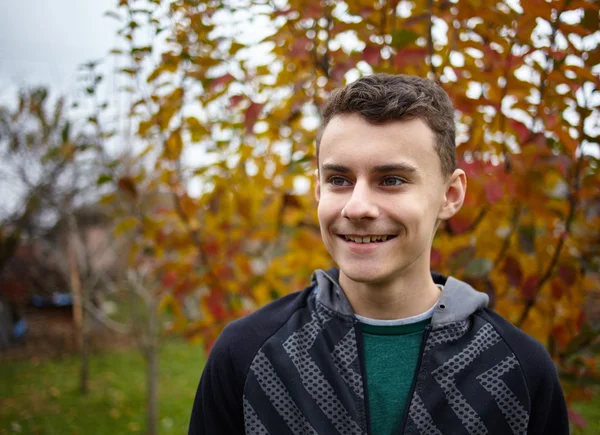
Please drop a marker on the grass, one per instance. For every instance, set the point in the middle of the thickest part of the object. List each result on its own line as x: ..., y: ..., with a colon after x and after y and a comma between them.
x: 42, y: 398
x: 591, y: 412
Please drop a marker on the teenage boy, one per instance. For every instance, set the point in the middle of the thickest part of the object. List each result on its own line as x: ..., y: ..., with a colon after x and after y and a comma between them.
x: 381, y: 345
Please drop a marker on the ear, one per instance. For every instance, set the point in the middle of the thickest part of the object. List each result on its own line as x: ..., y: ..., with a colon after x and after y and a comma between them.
x: 317, y: 186
x: 456, y: 188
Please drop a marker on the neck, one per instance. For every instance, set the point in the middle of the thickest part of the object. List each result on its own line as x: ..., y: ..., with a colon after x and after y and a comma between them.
x: 405, y: 296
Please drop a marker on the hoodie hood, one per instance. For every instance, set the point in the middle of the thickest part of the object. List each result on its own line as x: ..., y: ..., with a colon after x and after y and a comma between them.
x: 458, y: 301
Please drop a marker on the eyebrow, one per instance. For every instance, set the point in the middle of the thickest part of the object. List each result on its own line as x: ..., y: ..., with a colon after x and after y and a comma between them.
x: 394, y: 167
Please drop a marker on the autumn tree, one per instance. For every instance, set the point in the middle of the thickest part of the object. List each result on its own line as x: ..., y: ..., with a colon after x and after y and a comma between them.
x: 226, y: 100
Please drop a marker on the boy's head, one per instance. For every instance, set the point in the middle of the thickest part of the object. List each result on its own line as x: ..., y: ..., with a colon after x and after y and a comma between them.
x: 387, y: 176
x: 382, y: 98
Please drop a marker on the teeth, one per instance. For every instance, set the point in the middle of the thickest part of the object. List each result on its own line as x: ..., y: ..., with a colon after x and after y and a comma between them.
x: 367, y: 239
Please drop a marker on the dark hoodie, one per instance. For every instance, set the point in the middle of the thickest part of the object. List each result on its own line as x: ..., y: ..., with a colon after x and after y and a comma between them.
x: 296, y: 366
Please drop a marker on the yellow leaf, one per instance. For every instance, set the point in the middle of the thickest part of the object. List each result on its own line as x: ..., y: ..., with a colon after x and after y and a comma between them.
x: 174, y: 146
x: 126, y: 225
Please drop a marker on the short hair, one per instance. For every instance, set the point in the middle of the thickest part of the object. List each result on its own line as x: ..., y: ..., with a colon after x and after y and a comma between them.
x: 383, y: 98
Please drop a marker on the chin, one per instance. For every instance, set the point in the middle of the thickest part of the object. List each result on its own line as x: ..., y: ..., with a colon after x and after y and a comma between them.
x: 364, y: 274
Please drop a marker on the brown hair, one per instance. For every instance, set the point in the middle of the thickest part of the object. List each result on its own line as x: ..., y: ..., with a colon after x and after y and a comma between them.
x: 382, y: 98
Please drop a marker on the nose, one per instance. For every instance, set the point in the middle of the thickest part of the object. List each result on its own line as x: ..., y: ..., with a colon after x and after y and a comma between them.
x: 360, y: 205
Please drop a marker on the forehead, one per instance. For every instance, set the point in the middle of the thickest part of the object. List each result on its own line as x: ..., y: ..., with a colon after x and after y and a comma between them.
x: 351, y: 140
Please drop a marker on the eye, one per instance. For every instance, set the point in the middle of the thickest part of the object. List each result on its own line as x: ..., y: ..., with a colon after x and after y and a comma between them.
x: 392, y: 181
x: 338, y: 181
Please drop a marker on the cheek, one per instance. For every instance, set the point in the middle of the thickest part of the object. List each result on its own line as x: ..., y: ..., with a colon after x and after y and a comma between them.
x: 327, y: 209
x: 416, y: 214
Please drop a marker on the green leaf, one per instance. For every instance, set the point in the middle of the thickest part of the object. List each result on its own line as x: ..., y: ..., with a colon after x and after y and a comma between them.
x: 478, y: 268
x: 65, y: 132
x: 401, y: 38
x: 586, y: 336
x: 104, y: 178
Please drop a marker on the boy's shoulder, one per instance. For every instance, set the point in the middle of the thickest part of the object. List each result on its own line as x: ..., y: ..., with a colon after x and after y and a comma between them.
x: 533, y: 357
x: 268, y: 318
x: 241, y: 339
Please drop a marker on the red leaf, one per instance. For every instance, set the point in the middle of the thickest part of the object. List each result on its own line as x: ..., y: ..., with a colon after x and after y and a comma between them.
x: 528, y: 289
x: 169, y: 279
x: 339, y: 70
x: 520, y: 129
x: 561, y: 336
x: 282, y: 13
x: 371, y: 54
x: 224, y: 272
x: 366, y: 11
x: 568, y: 274
x: 512, y: 270
x: 223, y: 80
x: 557, y: 290
x: 215, y: 303
x: 410, y: 56
x: 473, y: 169
x: 300, y: 47
x: 459, y: 224
x: 312, y: 11
x: 235, y: 100
x: 493, y: 191
x: 576, y: 418
x: 211, y: 249
x: 252, y: 115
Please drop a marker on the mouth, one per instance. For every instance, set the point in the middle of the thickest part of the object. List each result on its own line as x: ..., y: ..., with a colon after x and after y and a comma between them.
x: 366, y: 239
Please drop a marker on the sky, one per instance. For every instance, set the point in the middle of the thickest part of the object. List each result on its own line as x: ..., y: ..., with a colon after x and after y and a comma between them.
x: 44, y: 42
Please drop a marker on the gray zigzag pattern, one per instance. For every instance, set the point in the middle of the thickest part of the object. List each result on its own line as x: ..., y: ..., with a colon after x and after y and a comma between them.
x: 421, y: 417
x: 447, y: 334
x: 445, y: 374
x: 344, y: 354
x: 297, y: 347
x: 514, y: 412
x: 253, y: 424
x: 279, y: 396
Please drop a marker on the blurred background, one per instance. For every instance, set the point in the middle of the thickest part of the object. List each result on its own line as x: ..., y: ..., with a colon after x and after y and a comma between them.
x: 156, y: 179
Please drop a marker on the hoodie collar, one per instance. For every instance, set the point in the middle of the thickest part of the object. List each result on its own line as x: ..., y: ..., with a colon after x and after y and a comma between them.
x: 458, y: 301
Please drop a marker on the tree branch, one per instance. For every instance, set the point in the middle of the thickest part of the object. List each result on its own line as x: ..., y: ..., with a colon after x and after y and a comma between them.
x: 430, y: 47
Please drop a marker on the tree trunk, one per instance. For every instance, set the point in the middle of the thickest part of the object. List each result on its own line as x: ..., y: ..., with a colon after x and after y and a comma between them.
x: 79, y: 321
x: 84, y: 372
x: 151, y: 352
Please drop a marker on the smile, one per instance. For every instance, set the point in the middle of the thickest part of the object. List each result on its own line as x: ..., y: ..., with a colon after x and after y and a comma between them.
x: 366, y: 239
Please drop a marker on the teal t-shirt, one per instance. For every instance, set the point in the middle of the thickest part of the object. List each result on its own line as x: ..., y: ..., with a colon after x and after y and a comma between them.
x: 391, y: 358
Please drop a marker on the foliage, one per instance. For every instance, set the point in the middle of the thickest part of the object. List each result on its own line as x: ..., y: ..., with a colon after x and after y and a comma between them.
x: 238, y: 227
x: 44, y: 159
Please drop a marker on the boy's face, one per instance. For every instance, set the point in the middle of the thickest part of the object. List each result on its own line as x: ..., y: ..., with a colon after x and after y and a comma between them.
x: 383, y: 185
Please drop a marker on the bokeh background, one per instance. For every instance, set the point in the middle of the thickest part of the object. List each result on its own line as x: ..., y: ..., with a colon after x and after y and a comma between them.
x: 157, y: 172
